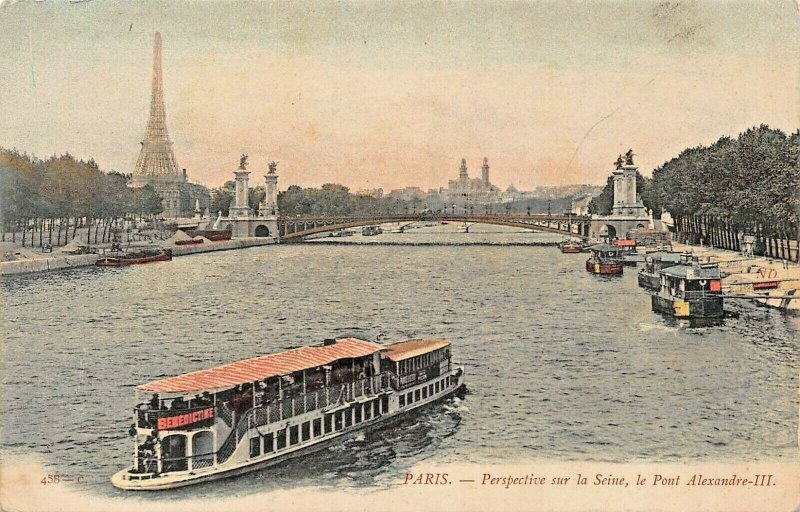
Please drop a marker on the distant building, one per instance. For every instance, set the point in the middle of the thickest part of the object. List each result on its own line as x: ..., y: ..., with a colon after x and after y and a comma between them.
x: 475, y: 189
x: 407, y: 193
x: 157, y: 166
x: 580, y: 204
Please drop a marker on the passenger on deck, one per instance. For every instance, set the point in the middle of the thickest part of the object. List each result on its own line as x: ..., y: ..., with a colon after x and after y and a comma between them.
x: 154, y: 402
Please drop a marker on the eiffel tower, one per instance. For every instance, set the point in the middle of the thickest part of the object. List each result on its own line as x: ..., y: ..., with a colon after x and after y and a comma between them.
x: 156, y: 165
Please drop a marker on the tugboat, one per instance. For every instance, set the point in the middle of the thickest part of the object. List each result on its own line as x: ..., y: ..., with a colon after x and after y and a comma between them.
x: 691, y: 291
x: 247, y: 415
x: 570, y: 247
x: 605, y: 259
x: 124, y: 259
x: 654, y: 262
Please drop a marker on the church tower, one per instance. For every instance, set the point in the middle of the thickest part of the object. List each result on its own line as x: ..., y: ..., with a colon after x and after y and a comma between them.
x: 156, y: 165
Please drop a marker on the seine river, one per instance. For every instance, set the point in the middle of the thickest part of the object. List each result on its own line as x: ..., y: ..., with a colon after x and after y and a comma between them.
x: 560, y: 365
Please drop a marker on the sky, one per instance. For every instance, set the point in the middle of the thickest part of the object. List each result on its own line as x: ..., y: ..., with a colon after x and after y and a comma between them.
x: 394, y: 94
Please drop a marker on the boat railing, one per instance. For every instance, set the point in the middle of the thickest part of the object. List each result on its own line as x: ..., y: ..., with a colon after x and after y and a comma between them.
x: 264, y: 414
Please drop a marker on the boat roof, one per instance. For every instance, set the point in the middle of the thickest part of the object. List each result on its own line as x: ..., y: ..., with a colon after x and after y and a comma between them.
x: 604, y: 247
x: 692, y: 271
x: 410, y: 348
x: 625, y: 243
x: 263, y: 367
x: 664, y: 255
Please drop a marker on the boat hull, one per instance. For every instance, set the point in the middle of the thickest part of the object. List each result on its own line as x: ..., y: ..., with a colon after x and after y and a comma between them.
x: 649, y: 281
x: 571, y: 249
x: 604, y: 268
x: 708, y: 307
x: 184, y: 478
x: 125, y: 262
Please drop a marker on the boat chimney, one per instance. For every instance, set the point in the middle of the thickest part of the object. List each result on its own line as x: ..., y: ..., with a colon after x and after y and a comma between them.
x: 328, y: 341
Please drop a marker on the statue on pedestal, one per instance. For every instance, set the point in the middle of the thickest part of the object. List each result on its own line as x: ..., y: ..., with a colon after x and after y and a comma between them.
x: 619, y: 162
x: 273, y: 166
x: 629, y: 157
x: 243, y: 163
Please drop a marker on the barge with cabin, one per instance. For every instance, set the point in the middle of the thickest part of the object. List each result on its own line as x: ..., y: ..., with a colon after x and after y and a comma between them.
x: 690, y: 291
x: 255, y: 413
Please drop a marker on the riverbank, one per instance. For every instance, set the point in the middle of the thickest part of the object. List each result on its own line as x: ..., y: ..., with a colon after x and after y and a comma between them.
x: 28, y: 261
x: 767, y: 281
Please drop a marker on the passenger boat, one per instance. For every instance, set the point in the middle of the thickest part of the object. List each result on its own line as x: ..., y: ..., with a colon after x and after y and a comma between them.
x: 243, y: 416
x: 371, y: 230
x: 570, y: 247
x: 649, y: 277
x: 691, y: 291
x: 605, y: 259
x: 135, y: 258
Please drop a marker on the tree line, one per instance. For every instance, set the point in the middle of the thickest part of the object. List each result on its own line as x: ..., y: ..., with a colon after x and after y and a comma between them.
x: 47, y: 201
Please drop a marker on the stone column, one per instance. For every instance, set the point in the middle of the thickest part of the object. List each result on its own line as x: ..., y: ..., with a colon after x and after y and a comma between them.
x: 240, y: 207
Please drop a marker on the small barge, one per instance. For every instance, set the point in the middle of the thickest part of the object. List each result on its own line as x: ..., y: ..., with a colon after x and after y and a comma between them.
x: 570, y: 247
x: 691, y: 291
x: 605, y: 259
x: 252, y: 414
x: 135, y: 258
x: 654, y: 262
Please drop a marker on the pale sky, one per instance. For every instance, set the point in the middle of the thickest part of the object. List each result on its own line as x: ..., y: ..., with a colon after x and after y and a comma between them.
x: 390, y: 94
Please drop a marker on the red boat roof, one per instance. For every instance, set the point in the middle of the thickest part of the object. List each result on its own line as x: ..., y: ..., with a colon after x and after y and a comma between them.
x: 263, y: 367
x: 625, y: 243
x: 410, y: 348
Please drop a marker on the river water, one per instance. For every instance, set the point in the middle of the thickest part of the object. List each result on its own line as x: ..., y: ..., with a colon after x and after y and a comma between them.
x: 560, y: 365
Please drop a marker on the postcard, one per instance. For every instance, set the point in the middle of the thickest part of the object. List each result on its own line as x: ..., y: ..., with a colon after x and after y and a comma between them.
x: 467, y: 256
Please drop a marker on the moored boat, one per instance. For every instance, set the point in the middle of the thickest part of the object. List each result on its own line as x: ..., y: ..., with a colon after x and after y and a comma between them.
x: 135, y: 257
x: 570, y: 247
x: 691, y: 291
x: 251, y: 414
x: 648, y: 276
x: 605, y: 259
x: 213, y: 235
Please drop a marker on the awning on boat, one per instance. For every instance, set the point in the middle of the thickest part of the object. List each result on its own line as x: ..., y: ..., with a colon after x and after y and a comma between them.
x: 263, y: 367
x: 410, y: 348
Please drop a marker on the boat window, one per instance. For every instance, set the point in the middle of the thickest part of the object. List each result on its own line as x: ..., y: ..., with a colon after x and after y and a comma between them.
x: 317, y: 427
x: 425, y: 392
x: 376, y: 408
x: 174, y: 447
x: 430, y: 389
x: 437, y: 386
x: 255, y: 446
x: 367, y: 411
x: 402, y: 401
x: 294, y: 430
x: 358, y: 413
x: 338, y: 422
x: 348, y: 418
x: 281, y: 435
x: 306, y: 431
x: 328, y: 423
x: 416, y: 396
x: 410, y: 397
x: 268, y: 443
x: 384, y: 403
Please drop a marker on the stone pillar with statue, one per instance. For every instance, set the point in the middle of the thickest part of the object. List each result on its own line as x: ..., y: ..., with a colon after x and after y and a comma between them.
x: 241, y: 207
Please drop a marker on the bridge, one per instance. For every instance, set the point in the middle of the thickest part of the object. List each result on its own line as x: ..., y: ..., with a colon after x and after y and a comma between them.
x: 296, y: 228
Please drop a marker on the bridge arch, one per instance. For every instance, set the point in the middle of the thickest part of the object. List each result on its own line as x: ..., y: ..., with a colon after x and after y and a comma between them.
x: 262, y: 230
